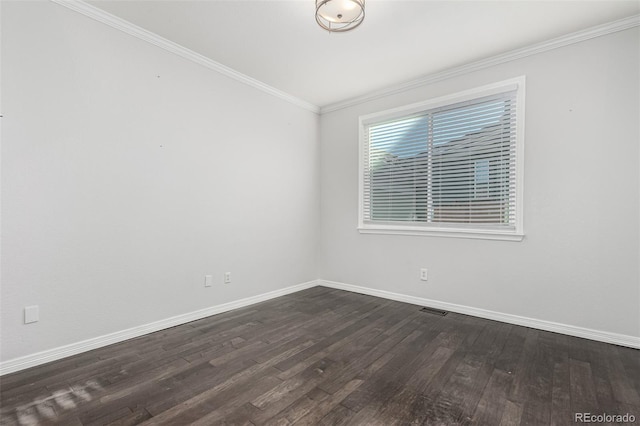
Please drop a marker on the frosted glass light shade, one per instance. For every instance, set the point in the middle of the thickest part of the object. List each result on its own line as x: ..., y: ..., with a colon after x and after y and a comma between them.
x: 339, y: 15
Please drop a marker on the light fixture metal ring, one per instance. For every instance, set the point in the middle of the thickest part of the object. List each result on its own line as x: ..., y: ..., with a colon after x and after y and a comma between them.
x: 330, y: 14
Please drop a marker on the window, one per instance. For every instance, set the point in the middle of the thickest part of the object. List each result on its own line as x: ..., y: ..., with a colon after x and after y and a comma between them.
x: 450, y: 166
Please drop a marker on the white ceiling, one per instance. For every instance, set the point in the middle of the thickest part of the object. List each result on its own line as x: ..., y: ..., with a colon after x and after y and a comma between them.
x: 280, y: 44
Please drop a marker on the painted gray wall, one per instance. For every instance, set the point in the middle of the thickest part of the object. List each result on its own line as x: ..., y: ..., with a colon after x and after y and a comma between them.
x: 578, y: 263
x: 128, y: 173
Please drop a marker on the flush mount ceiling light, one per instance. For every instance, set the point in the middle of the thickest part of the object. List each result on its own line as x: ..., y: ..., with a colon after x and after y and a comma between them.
x: 338, y: 16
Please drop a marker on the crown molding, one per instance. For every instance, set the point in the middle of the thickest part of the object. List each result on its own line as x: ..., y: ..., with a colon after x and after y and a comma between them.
x: 566, y: 40
x: 127, y: 27
x: 100, y: 15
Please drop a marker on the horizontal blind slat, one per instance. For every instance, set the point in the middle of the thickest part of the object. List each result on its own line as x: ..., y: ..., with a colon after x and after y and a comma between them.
x: 453, y: 164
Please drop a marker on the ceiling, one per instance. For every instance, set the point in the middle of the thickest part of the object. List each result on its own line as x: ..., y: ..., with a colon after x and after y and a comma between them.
x: 280, y: 44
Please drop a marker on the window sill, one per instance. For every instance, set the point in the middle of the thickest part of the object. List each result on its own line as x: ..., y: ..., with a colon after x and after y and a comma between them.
x: 443, y: 232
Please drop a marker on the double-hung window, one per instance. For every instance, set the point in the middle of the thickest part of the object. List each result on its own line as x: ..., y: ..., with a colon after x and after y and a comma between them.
x: 451, y: 166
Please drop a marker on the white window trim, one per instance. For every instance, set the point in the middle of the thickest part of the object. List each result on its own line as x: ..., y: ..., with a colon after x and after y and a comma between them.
x: 396, y: 229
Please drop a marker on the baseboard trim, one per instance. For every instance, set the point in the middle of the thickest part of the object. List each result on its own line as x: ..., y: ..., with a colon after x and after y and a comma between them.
x: 54, y: 354
x: 571, y: 330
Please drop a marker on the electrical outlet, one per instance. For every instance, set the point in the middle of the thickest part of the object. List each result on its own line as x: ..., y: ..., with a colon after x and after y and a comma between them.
x: 208, y: 280
x: 31, y: 314
x: 423, y: 274
x: 227, y: 277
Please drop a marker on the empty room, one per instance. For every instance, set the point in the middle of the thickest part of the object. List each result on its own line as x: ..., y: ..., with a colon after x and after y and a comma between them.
x: 319, y: 212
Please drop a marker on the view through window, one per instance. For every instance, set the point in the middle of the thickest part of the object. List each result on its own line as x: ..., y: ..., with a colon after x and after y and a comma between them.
x: 453, y: 166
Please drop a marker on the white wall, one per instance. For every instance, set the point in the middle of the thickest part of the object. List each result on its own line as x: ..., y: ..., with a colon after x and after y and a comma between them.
x: 578, y: 263
x: 128, y: 173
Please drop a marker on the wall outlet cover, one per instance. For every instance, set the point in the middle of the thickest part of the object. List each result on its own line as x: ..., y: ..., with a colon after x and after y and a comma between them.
x: 31, y: 314
x: 423, y: 274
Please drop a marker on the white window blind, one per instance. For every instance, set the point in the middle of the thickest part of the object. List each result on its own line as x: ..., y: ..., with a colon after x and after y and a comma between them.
x: 453, y: 166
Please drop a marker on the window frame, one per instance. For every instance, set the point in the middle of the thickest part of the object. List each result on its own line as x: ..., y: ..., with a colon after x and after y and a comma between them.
x: 444, y: 230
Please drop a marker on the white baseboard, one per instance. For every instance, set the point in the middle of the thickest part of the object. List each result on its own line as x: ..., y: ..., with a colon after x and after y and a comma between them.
x: 571, y: 330
x: 54, y: 354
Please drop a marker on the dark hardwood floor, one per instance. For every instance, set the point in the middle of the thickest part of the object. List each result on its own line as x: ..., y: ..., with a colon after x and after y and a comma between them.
x: 331, y: 357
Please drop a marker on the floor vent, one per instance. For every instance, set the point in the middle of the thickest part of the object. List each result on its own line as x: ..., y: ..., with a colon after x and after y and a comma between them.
x: 433, y: 311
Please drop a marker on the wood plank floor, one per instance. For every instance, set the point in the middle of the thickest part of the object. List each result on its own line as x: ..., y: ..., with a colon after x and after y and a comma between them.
x: 331, y: 357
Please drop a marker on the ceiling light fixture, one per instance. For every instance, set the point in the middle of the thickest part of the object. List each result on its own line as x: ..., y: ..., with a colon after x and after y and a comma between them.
x: 338, y: 16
